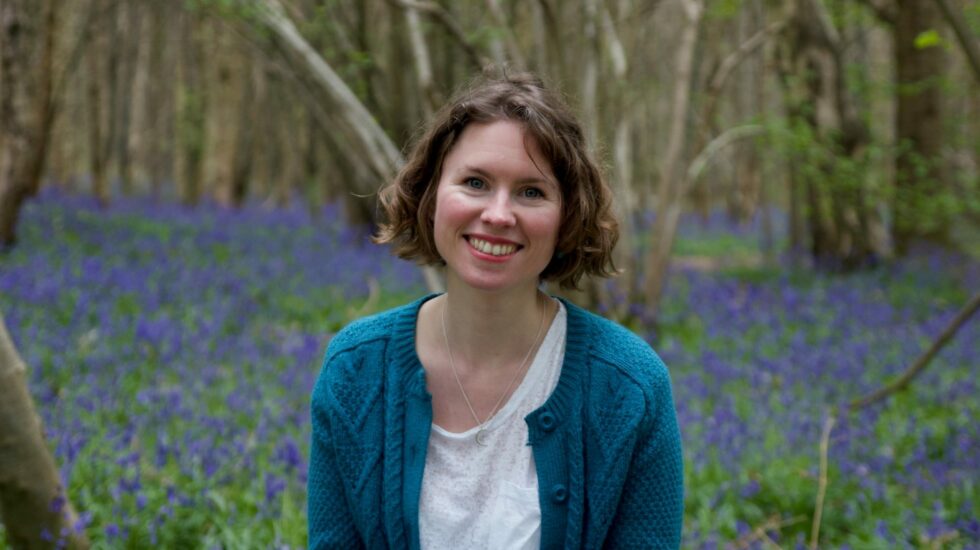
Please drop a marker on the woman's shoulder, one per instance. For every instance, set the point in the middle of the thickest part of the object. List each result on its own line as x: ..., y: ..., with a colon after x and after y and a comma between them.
x: 612, y: 345
x: 382, y: 326
x: 356, y: 354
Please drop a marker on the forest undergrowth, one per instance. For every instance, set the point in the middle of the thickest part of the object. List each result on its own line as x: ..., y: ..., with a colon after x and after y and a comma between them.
x: 172, y: 353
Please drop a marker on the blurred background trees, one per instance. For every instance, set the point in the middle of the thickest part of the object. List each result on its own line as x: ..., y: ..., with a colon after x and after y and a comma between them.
x: 858, y: 120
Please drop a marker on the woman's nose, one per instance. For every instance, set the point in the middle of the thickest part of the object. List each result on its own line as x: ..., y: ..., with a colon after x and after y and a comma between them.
x: 499, y: 211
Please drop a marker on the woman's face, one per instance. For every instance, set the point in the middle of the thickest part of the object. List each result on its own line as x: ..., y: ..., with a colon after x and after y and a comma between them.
x: 498, y: 208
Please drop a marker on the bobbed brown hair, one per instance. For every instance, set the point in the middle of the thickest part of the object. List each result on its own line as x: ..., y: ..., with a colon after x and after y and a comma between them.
x: 588, y: 230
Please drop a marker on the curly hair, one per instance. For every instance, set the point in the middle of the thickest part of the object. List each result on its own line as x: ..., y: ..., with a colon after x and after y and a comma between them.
x: 588, y: 230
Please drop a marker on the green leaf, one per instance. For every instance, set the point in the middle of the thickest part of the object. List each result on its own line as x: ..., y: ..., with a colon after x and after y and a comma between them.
x: 928, y: 39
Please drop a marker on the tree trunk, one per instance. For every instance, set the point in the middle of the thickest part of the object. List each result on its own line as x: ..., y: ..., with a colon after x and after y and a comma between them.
x: 837, y: 214
x: 96, y: 126
x: 26, y: 114
x: 423, y: 66
x: 138, y: 134
x: 33, y: 503
x: 672, y: 173
x: 225, y: 83
x: 919, y: 211
x: 189, y: 106
x: 129, y: 22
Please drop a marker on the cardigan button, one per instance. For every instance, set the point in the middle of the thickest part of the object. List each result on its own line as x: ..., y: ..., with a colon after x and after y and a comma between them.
x: 547, y: 421
x: 559, y: 493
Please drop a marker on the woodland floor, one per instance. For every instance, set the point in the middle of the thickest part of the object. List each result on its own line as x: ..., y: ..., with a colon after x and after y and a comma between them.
x: 172, y: 353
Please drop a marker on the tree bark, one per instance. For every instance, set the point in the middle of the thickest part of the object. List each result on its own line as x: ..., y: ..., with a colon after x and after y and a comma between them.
x: 190, y: 108
x: 96, y: 111
x: 423, y: 65
x: 837, y: 214
x: 26, y: 115
x: 505, y: 40
x: 672, y: 174
x: 965, y: 37
x: 226, y: 117
x: 918, y: 128
x: 138, y: 133
x: 33, y: 504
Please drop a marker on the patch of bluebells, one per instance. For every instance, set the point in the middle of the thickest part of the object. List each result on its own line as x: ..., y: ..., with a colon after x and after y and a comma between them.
x: 173, y: 351
x: 756, y: 362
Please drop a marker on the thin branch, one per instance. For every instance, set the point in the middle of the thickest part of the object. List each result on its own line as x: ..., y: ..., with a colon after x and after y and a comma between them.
x: 728, y: 65
x: 509, y: 41
x: 963, y: 35
x: 920, y: 364
x: 903, y: 381
x: 446, y: 20
x: 828, y: 426
x: 617, y: 53
x: 726, y: 138
x: 724, y: 71
x: 885, y: 10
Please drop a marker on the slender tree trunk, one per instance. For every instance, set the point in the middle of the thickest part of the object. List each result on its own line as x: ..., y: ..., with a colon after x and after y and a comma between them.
x: 672, y: 172
x: 129, y: 23
x: 189, y: 106
x: 423, y: 65
x: 96, y: 108
x: 503, y: 45
x: 138, y: 126
x: 33, y: 504
x: 223, y: 117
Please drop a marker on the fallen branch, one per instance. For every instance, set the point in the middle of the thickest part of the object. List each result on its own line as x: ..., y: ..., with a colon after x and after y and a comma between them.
x: 880, y: 395
x: 923, y: 360
x: 773, y: 523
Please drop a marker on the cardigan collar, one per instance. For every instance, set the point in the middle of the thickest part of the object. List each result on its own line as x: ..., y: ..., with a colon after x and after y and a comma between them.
x: 578, y: 344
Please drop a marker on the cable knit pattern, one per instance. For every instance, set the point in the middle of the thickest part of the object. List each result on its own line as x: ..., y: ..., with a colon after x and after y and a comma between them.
x: 606, y: 443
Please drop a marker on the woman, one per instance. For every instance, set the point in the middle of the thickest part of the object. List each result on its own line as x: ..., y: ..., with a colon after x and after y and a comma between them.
x: 495, y: 416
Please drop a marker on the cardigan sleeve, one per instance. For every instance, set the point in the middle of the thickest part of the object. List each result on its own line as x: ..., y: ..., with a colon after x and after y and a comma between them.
x: 330, y: 520
x: 651, y: 507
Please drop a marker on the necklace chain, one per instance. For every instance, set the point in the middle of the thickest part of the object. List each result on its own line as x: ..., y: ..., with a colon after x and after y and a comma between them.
x: 466, y: 398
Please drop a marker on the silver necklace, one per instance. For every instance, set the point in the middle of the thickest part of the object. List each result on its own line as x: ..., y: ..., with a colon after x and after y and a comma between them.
x: 481, y: 433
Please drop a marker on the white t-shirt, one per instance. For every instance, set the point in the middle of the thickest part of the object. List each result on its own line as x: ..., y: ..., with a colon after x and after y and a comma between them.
x: 486, y: 497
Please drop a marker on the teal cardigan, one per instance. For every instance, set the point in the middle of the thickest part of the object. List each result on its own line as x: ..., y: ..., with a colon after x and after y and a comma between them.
x: 605, y: 443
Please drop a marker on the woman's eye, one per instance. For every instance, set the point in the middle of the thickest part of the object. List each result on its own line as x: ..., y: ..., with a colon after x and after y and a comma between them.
x: 475, y: 183
x: 532, y: 193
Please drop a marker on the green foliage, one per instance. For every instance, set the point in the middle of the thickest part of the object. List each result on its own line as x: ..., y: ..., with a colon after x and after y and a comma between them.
x: 819, y: 159
x: 928, y: 39
x: 723, y: 9
x: 245, y: 10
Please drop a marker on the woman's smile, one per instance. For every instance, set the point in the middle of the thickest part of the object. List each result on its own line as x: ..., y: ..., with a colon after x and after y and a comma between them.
x: 496, y: 248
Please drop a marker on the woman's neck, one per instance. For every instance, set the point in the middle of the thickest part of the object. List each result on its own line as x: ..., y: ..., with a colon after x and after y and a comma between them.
x: 490, y: 330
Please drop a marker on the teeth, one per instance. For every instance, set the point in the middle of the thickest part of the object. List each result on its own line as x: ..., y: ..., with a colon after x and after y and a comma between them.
x: 492, y: 249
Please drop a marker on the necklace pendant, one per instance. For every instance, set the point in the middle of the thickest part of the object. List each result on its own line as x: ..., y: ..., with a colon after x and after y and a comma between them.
x: 481, y: 437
